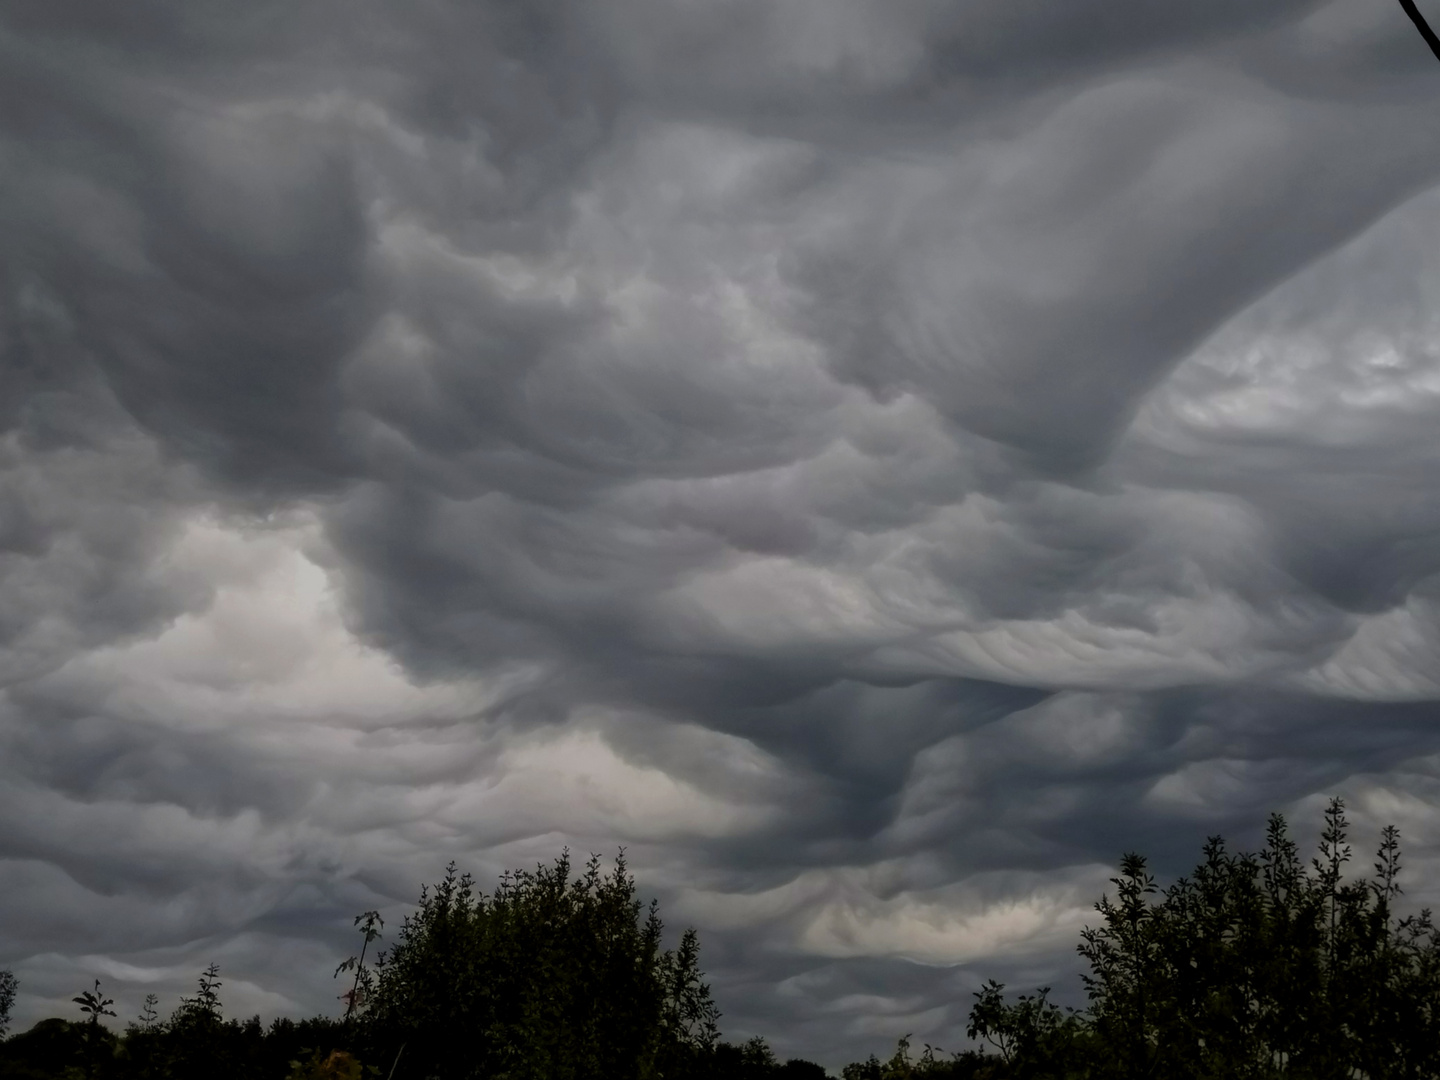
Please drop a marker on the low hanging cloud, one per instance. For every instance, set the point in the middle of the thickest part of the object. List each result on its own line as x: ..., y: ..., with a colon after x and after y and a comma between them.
x: 877, y: 462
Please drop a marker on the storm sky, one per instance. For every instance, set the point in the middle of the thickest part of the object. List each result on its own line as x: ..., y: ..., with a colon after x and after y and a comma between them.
x: 875, y: 460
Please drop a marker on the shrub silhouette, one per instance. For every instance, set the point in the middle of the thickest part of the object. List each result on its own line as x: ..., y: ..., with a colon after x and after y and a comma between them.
x: 1255, y: 965
x: 552, y: 976
x: 8, y: 985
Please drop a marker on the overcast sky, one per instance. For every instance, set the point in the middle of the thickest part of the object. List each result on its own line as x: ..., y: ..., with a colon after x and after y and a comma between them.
x: 876, y: 460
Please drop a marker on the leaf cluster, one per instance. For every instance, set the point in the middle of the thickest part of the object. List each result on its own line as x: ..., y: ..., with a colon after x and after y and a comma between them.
x: 8, y: 985
x: 195, y: 1041
x: 1254, y: 966
x: 554, y: 975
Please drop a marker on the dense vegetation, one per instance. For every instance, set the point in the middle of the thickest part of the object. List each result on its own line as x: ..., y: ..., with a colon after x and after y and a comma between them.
x: 1255, y: 966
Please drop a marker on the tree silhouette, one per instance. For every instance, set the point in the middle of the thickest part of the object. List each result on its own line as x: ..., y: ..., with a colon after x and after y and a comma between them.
x: 8, y: 985
x: 149, y: 1018
x: 94, y: 1005
x: 204, y: 1008
x: 369, y: 924
x: 551, y: 976
x: 1254, y: 966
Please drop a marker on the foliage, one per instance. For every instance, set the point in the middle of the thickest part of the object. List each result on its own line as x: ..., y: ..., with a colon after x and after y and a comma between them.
x: 8, y: 986
x: 52, y: 1048
x: 336, y: 1065
x: 149, y: 1018
x: 369, y: 923
x: 94, y: 1004
x: 932, y: 1064
x: 202, y: 1010
x: 552, y: 976
x: 194, y: 1042
x: 1254, y: 966
x: 1033, y: 1037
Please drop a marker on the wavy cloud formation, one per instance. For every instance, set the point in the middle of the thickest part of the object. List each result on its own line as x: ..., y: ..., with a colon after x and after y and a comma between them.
x: 876, y: 461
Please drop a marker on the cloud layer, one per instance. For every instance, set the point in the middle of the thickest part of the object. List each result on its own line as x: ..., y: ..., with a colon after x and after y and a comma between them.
x: 875, y: 460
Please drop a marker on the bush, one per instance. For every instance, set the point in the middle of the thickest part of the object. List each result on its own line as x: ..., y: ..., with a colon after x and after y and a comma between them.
x: 1256, y: 965
x: 551, y: 977
x: 8, y: 985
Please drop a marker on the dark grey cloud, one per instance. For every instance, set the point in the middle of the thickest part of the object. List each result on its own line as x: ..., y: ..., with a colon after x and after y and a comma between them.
x: 877, y: 461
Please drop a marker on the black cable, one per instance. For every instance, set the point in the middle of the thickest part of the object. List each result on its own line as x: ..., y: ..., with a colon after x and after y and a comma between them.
x: 1422, y: 26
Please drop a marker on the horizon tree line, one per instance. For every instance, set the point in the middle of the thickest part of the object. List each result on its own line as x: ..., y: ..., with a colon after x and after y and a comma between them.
x: 1256, y: 965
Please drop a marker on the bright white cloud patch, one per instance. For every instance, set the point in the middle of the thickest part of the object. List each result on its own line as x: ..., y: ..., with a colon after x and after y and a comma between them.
x: 855, y: 912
